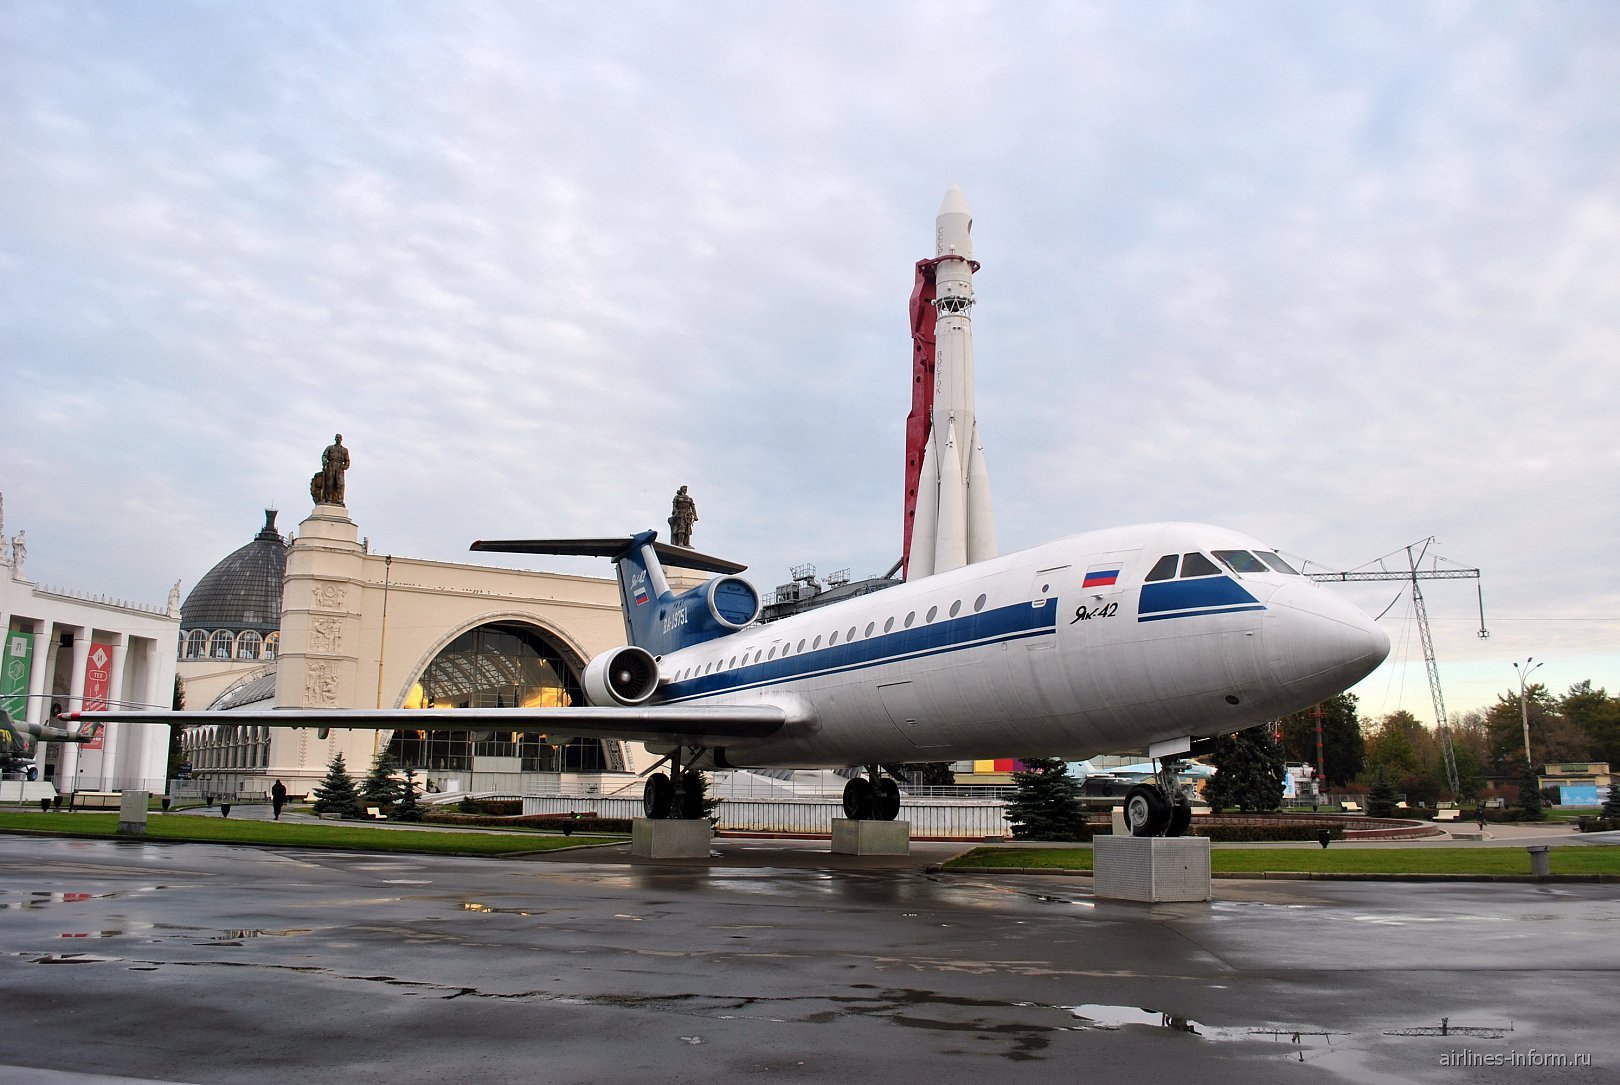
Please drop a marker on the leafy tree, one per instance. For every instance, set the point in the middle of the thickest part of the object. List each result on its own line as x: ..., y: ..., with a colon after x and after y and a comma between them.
x: 379, y: 787
x: 1382, y: 796
x: 336, y: 793
x: 409, y: 807
x: 1046, y: 802
x: 1598, y: 717
x: 177, y: 735
x: 1469, y: 774
x: 1552, y: 737
x: 1402, y: 745
x: 1248, y: 772
x: 1342, y: 741
x: 1530, y: 797
x: 929, y: 773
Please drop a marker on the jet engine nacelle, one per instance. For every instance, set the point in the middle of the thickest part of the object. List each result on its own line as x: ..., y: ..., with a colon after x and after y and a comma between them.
x: 621, y: 676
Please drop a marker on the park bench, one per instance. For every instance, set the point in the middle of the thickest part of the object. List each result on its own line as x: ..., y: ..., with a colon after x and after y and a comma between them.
x: 1448, y: 814
x: 376, y: 813
x: 1350, y: 807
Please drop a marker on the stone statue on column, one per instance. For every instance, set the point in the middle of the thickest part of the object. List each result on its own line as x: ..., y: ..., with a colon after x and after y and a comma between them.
x: 326, y: 488
x: 19, y: 552
x: 174, y: 600
x: 681, y: 518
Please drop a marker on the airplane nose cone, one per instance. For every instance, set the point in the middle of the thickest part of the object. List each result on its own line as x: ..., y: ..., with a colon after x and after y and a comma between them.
x: 1318, y: 644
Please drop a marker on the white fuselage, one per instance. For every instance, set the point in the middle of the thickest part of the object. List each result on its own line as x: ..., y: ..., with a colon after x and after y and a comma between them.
x: 1017, y: 656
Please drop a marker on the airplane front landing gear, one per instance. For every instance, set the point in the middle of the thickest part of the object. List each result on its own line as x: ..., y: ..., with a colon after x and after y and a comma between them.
x: 1160, y: 808
x: 1147, y: 811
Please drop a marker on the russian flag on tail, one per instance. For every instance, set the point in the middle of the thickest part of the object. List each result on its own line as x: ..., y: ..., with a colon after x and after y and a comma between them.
x: 1101, y: 576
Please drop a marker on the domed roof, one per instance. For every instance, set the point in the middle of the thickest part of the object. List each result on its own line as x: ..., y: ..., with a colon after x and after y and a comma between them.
x: 244, y: 590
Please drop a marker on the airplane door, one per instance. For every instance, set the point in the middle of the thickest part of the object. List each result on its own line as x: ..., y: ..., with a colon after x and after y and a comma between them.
x: 905, y: 712
x: 1043, y: 590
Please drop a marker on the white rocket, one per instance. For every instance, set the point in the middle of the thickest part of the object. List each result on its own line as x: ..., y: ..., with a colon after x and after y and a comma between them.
x: 953, y: 524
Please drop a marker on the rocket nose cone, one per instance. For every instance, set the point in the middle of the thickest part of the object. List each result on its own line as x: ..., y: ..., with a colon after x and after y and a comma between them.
x: 954, y: 202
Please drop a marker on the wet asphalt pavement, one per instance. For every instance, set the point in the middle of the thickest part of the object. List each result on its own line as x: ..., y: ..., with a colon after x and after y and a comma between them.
x: 204, y: 963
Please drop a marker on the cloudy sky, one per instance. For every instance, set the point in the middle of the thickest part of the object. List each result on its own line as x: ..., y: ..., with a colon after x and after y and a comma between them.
x: 1340, y: 276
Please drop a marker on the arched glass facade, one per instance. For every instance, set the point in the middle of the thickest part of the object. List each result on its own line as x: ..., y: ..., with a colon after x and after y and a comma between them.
x: 501, y: 665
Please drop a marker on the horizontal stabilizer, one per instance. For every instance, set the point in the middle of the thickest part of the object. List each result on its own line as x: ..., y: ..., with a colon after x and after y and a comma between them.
x: 677, y: 556
x: 698, y: 725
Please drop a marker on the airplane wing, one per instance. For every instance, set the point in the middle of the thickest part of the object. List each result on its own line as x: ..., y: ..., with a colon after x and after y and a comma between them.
x: 695, y: 725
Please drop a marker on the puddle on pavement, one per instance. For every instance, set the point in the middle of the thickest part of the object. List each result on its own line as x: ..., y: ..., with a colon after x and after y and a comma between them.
x: 236, y: 938
x: 44, y: 899
x: 75, y: 958
x: 1302, y: 1043
x: 475, y: 906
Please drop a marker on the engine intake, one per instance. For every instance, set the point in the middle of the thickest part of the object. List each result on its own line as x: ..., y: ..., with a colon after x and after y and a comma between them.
x: 623, y: 676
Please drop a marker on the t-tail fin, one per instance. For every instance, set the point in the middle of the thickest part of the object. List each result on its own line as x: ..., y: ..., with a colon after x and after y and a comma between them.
x: 655, y: 618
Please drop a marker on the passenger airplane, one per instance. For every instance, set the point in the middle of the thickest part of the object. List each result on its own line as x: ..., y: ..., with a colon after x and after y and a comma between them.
x: 1154, y: 635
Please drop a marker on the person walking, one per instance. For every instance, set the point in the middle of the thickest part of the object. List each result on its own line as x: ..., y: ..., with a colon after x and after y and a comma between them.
x: 278, y: 798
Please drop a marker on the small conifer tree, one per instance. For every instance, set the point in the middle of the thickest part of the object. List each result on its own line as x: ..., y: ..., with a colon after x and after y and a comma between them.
x: 1611, y: 805
x: 336, y: 793
x: 409, y: 807
x: 1046, y: 804
x: 1530, y: 797
x: 1381, y: 796
x: 380, y: 788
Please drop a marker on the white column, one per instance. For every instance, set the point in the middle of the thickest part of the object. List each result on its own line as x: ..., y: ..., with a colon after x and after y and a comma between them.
x: 111, y: 774
x: 154, y: 736
x: 39, y: 678
x: 39, y: 689
x: 75, y: 700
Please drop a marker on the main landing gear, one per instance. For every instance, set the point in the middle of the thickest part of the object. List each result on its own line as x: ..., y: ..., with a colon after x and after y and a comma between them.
x: 1160, y: 808
x: 677, y: 795
x: 877, y: 799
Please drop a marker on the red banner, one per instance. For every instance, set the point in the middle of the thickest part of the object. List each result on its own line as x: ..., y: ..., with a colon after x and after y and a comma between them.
x: 97, y: 681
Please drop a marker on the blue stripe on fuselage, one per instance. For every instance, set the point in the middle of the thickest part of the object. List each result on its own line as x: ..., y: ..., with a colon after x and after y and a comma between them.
x: 1191, y: 598
x: 1004, y: 624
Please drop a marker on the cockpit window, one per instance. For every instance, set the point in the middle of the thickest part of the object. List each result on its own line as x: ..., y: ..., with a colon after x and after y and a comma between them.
x: 1196, y: 564
x: 1164, y: 568
x: 1277, y: 563
x: 1241, y: 561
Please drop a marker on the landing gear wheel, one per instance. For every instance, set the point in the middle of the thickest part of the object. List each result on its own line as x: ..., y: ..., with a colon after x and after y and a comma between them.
x: 657, y: 796
x: 885, y: 800
x: 859, y: 799
x: 1180, y: 817
x: 1147, y: 811
x: 691, y: 796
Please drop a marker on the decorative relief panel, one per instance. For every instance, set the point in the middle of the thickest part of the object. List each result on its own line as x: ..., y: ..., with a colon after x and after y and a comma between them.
x: 321, y: 685
x: 325, y: 634
x: 328, y: 595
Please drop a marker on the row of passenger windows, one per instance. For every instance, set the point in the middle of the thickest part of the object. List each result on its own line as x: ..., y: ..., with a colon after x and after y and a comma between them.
x: 1239, y: 561
x: 807, y: 644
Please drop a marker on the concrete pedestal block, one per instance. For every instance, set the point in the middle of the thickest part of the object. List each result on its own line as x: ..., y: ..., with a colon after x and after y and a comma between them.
x: 132, y: 813
x: 666, y: 838
x: 1151, y: 868
x: 871, y: 837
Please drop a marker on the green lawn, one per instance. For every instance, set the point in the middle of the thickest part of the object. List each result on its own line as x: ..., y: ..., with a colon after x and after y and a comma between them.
x: 1565, y: 860
x: 219, y: 830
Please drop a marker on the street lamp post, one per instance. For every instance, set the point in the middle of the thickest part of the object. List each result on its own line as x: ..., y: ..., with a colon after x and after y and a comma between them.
x: 1524, y: 707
